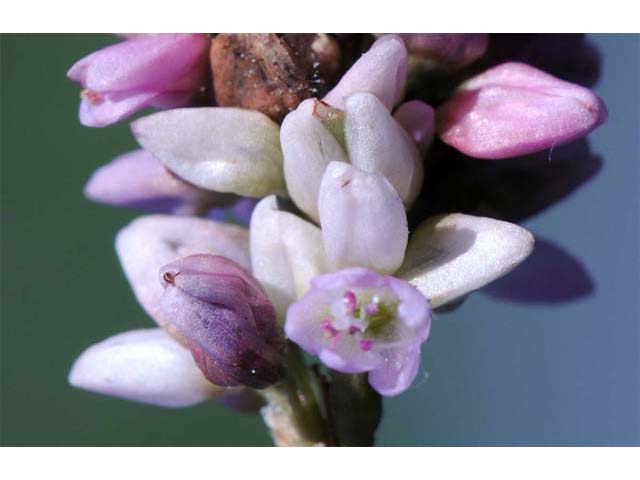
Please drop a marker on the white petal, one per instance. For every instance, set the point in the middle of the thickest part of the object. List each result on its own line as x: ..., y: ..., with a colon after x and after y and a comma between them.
x: 308, y: 148
x: 286, y: 253
x: 382, y: 70
x: 451, y: 255
x: 362, y: 219
x: 145, y: 366
x: 221, y: 149
x: 150, y: 242
x: 377, y: 143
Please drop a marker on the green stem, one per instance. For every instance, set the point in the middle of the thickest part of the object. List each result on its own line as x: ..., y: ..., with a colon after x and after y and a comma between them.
x: 293, y: 413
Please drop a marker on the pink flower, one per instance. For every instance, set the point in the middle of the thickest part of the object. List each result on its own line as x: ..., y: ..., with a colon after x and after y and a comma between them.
x: 163, y: 70
x: 357, y: 320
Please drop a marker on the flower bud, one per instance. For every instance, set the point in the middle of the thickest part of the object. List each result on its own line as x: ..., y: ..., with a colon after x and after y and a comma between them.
x: 308, y: 147
x: 164, y: 70
x: 151, y: 241
x: 286, y: 253
x: 378, y: 144
x: 382, y: 71
x: 515, y: 109
x: 145, y: 366
x: 362, y: 219
x: 138, y: 180
x: 228, y: 322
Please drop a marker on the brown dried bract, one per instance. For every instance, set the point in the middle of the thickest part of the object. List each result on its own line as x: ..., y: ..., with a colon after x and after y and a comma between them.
x: 272, y: 73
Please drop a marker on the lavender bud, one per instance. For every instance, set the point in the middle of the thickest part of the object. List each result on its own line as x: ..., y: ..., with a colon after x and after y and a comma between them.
x: 228, y: 322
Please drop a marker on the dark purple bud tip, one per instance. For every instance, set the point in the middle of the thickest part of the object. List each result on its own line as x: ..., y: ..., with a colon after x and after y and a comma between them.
x: 229, y: 323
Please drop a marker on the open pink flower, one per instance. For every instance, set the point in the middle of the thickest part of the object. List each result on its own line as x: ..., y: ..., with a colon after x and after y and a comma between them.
x: 163, y: 70
x: 357, y: 320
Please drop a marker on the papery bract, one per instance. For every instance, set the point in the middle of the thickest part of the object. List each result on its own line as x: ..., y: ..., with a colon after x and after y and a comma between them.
x: 145, y: 366
x: 515, y: 109
x: 228, y: 322
x: 164, y: 70
x: 359, y: 321
x: 362, y: 219
x: 382, y: 71
x: 138, y: 180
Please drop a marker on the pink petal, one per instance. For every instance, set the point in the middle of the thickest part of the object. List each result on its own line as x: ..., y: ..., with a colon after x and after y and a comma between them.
x: 138, y: 179
x: 515, y: 109
x: 398, y: 372
x: 162, y: 62
x: 162, y: 70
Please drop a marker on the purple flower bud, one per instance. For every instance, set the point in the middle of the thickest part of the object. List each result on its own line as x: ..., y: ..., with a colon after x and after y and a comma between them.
x: 357, y: 321
x: 163, y: 70
x: 138, y: 180
x: 382, y: 71
x: 445, y: 52
x: 151, y: 241
x: 418, y: 119
x: 228, y: 322
x: 515, y: 109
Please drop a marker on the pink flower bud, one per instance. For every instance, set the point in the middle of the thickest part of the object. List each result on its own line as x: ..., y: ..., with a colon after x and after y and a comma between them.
x: 163, y: 70
x: 514, y: 109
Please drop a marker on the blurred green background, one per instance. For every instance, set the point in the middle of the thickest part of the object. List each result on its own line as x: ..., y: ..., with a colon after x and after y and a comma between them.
x: 499, y: 374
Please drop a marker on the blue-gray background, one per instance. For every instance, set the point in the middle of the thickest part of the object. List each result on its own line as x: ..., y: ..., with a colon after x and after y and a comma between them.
x: 499, y: 373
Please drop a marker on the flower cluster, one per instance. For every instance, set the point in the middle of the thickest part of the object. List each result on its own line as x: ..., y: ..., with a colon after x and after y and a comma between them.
x: 354, y: 238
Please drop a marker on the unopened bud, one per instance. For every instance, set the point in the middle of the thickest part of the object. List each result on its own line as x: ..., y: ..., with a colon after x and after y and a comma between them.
x: 228, y: 322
